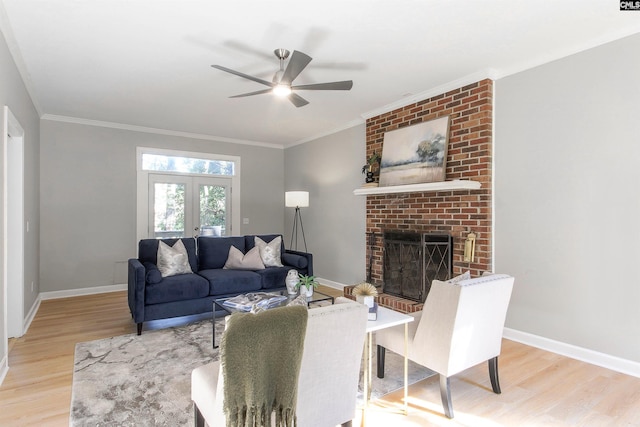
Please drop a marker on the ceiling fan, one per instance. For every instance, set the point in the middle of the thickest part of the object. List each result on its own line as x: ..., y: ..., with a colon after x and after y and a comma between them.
x: 282, y: 83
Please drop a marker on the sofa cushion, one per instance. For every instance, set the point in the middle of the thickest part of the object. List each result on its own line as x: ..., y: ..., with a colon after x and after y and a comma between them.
x: 148, y: 250
x: 176, y: 288
x: 273, y: 277
x: 222, y: 281
x: 173, y: 260
x: 214, y: 251
x: 239, y: 261
x: 152, y: 274
x: 270, y: 252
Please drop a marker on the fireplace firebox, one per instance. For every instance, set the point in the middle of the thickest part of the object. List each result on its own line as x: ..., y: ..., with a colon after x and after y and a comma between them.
x: 413, y: 260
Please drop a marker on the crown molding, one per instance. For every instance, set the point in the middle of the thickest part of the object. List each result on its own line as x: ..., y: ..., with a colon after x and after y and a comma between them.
x: 345, y: 126
x: 135, y: 128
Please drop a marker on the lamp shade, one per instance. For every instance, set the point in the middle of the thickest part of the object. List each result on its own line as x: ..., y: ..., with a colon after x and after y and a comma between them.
x: 293, y: 199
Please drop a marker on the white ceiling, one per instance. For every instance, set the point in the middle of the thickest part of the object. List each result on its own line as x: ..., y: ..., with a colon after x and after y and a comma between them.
x: 146, y: 63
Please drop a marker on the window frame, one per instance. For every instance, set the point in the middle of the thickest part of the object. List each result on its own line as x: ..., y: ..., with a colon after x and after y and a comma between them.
x: 142, y: 196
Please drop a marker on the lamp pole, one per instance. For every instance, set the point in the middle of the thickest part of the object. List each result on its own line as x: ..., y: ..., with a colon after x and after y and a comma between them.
x: 297, y: 218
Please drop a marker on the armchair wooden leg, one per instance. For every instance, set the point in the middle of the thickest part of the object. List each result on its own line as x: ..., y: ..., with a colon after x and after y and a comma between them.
x: 198, y: 419
x: 140, y: 328
x: 445, y: 395
x: 381, y: 354
x: 493, y: 375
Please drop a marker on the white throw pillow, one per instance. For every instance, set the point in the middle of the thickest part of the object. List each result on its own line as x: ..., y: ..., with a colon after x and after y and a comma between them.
x: 239, y: 261
x: 464, y: 276
x: 173, y: 260
x: 269, y: 252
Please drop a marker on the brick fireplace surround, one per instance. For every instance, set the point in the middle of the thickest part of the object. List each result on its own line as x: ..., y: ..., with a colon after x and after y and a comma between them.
x: 469, y: 156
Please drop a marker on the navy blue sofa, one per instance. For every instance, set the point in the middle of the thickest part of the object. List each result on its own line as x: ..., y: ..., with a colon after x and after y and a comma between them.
x: 153, y: 297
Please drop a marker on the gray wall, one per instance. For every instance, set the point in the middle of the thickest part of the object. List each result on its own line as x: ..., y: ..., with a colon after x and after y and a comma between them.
x: 88, y: 201
x: 567, y: 195
x: 334, y: 223
x: 14, y: 94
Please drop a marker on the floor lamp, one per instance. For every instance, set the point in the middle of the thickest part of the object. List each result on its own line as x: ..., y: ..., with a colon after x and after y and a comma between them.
x: 297, y: 199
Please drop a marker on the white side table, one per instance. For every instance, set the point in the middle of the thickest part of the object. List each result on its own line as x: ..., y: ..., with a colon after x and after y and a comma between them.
x: 386, y: 319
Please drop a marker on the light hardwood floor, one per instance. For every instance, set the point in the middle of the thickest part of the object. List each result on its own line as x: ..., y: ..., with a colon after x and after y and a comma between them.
x: 538, y: 388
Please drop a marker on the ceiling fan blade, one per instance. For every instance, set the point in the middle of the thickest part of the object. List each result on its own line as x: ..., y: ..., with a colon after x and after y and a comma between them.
x: 297, y: 63
x: 258, y: 92
x: 343, y: 85
x: 246, y: 76
x: 297, y: 100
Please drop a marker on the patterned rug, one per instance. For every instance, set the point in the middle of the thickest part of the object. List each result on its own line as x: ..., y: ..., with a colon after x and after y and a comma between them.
x: 145, y: 380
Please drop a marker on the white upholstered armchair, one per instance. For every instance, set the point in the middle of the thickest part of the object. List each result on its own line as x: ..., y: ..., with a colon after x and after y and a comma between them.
x: 329, y: 370
x: 460, y: 326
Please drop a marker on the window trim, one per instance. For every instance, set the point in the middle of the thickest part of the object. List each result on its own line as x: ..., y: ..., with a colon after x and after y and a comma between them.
x: 142, y: 196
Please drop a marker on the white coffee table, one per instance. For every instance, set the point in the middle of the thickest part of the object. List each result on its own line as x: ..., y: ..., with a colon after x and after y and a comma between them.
x: 386, y: 319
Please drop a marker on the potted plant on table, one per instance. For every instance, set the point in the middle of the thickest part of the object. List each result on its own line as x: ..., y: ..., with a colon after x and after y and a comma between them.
x: 306, y: 285
x: 368, y: 169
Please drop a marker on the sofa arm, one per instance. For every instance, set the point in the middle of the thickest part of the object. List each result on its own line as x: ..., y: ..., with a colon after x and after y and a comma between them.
x: 292, y: 258
x: 136, y: 285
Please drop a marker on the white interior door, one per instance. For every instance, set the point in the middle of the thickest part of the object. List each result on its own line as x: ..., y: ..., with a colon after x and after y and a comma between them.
x: 185, y: 206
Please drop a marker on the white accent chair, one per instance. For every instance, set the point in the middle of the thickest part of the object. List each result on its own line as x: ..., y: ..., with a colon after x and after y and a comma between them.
x: 329, y: 371
x: 460, y: 326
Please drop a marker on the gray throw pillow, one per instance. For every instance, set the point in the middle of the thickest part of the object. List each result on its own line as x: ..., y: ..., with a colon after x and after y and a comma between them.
x: 239, y: 261
x: 464, y: 276
x: 269, y: 252
x: 173, y: 260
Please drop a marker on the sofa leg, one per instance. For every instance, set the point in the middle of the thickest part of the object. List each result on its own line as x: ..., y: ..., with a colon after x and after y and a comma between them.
x: 381, y: 354
x: 493, y: 375
x: 198, y: 419
x: 140, y: 328
x: 347, y: 424
x: 445, y: 395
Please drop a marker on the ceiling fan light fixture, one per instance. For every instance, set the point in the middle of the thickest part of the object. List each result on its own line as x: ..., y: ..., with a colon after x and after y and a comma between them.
x: 282, y: 90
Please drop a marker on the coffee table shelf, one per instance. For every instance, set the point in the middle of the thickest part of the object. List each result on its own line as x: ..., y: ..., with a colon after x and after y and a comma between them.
x: 219, y: 303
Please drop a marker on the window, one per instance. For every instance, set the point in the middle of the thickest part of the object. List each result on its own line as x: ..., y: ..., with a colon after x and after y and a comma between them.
x: 186, y: 165
x: 182, y: 194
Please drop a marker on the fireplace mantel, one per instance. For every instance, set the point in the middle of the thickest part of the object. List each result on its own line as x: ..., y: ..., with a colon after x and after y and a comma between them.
x: 457, y: 184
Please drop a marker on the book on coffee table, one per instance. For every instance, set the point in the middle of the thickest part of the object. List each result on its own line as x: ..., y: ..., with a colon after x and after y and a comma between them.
x: 245, y: 302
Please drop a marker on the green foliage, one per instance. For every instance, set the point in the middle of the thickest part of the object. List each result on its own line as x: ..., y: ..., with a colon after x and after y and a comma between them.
x: 171, y: 218
x: 371, y: 161
x: 428, y: 150
x: 307, y: 282
x: 212, y: 205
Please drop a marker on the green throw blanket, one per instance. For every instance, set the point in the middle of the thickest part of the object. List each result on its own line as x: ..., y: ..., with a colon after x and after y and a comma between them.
x: 261, y: 355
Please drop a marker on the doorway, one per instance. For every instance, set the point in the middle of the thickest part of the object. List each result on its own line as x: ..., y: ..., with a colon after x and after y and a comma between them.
x: 183, y: 194
x: 185, y: 206
x: 13, y: 262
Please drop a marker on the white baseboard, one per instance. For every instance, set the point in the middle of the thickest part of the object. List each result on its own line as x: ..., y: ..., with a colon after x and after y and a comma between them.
x: 608, y: 361
x: 4, y: 367
x: 31, y: 315
x: 84, y: 291
x: 331, y: 283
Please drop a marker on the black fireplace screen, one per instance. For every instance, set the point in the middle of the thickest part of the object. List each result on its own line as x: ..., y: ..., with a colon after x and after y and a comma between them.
x: 413, y: 260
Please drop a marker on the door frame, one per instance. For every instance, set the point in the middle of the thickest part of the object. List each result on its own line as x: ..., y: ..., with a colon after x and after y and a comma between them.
x: 142, y: 208
x: 13, y: 225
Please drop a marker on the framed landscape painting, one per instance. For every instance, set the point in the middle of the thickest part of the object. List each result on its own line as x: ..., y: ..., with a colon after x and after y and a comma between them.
x: 415, y: 154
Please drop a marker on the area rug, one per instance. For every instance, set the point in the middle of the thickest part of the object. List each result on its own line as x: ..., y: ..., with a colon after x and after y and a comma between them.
x: 145, y: 380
